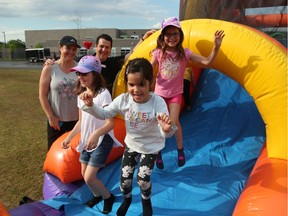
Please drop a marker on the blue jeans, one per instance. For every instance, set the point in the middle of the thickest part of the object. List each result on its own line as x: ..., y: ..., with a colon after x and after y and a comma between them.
x: 97, y: 158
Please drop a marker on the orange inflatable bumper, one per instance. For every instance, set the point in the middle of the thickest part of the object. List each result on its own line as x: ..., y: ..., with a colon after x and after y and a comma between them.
x: 64, y: 163
x: 3, y: 210
x: 265, y: 192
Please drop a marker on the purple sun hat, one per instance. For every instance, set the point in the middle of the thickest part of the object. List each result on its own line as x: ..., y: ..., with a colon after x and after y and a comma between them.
x: 87, y: 64
x: 171, y: 21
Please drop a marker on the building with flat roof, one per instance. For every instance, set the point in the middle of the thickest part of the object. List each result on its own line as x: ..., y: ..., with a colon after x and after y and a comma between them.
x: 123, y: 39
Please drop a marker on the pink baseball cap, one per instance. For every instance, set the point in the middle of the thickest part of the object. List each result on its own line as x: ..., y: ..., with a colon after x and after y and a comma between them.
x: 171, y: 21
x: 88, y: 64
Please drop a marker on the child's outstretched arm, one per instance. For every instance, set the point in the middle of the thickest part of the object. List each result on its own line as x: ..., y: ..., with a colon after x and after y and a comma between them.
x: 166, y: 125
x: 218, y: 37
x: 93, y: 109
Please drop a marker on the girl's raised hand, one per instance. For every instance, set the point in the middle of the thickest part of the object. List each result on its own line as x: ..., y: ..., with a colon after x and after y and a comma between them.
x: 218, y: 37
x: 148, y: 33
x: 165, y: 122
x: 87, y: 99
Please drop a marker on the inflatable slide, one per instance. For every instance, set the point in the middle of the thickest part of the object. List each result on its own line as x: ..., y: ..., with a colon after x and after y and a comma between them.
x: 235, y: 136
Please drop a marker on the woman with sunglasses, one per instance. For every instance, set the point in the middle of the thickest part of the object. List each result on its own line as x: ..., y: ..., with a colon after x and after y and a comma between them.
x: 56, y: 91
x: 97, y: 137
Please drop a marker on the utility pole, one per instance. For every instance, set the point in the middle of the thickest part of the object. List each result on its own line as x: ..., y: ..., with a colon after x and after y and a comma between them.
x: 4, y: 39
x: 77, y: 21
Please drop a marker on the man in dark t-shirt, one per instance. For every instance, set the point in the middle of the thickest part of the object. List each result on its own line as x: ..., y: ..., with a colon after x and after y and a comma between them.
x: 112, y: 65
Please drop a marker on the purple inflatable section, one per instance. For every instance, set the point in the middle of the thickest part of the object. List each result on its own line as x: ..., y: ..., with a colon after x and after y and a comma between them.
x: 53, y: 186
x: 35, y: 208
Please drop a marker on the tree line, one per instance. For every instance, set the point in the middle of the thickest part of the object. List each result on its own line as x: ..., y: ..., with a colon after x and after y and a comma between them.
x: 12, y: 44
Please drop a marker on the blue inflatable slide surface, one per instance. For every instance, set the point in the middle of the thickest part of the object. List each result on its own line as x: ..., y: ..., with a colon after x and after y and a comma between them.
x: 222, y: 134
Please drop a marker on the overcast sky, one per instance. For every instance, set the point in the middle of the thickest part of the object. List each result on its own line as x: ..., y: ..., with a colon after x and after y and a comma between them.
x: 16, y: 16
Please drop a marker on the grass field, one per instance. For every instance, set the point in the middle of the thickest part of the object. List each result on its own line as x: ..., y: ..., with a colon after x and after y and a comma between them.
x: 23, y: 144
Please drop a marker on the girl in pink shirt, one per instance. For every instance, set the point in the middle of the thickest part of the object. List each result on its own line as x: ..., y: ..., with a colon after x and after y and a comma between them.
x: 171, y: 58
